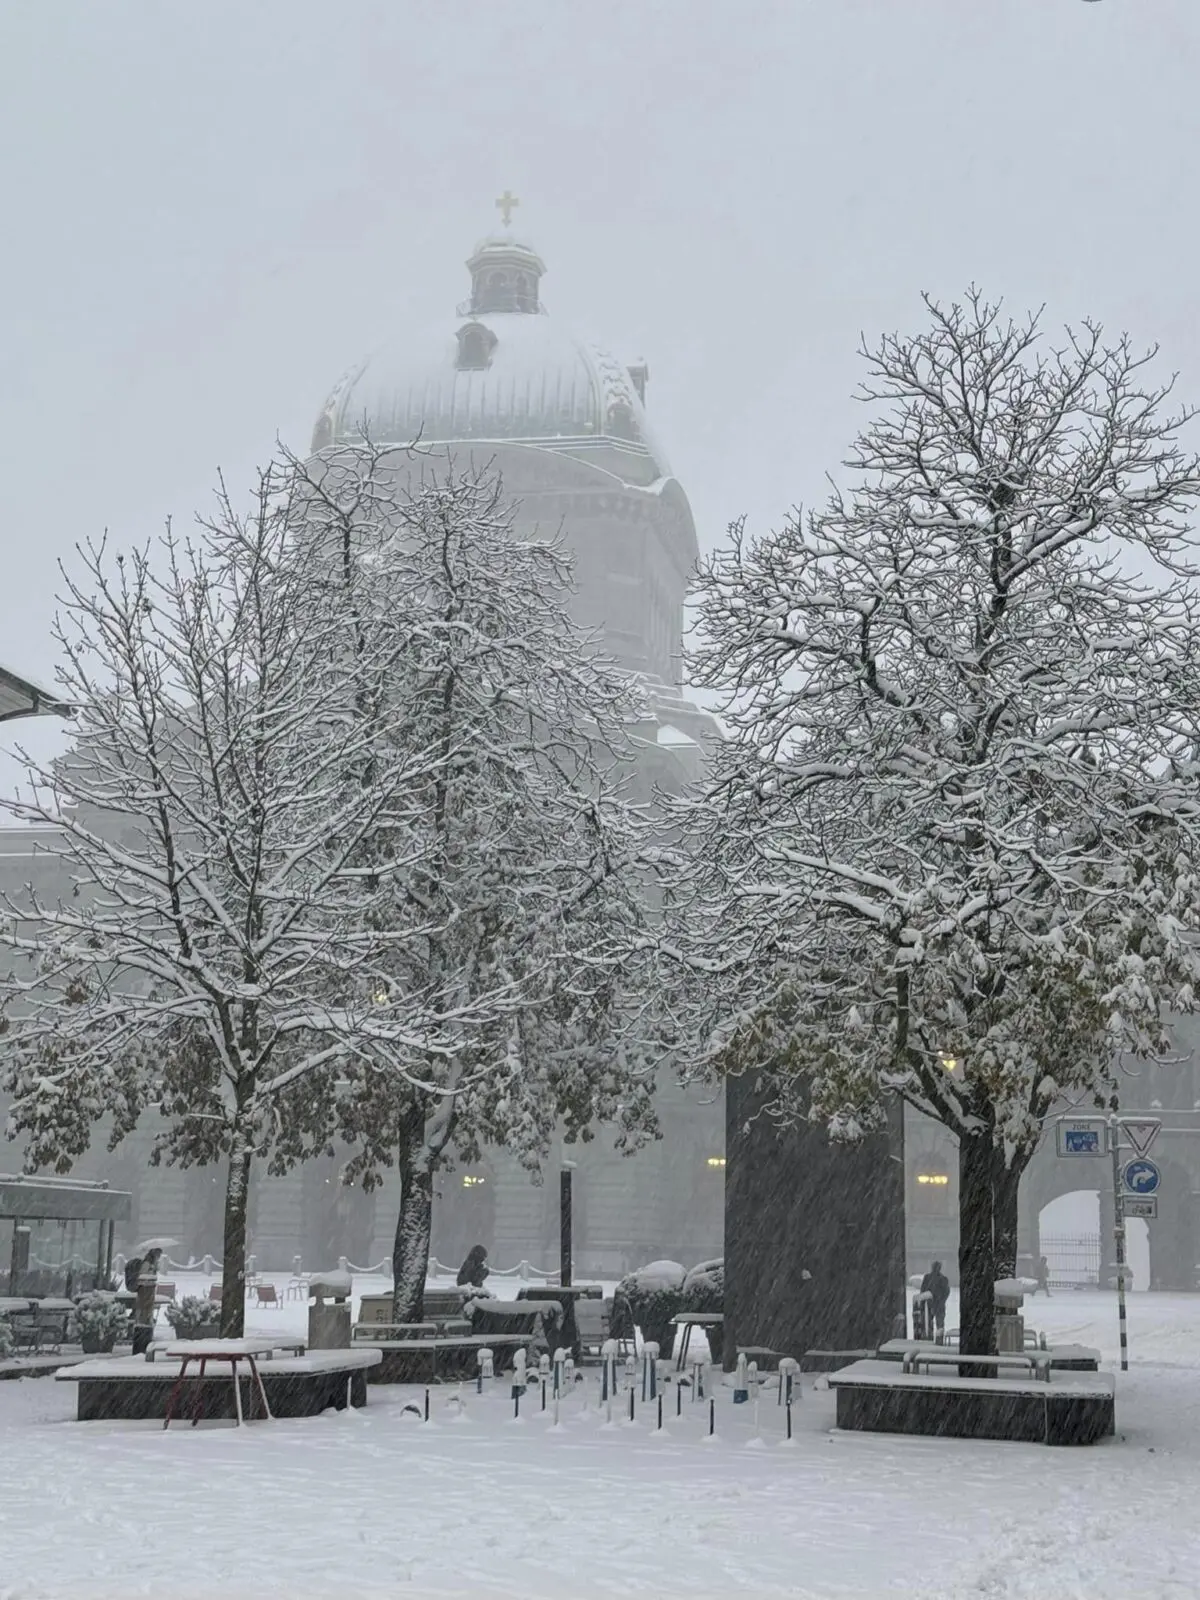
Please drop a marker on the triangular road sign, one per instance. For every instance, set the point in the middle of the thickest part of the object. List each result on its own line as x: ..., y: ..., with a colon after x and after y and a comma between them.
x: 1141, y: 1133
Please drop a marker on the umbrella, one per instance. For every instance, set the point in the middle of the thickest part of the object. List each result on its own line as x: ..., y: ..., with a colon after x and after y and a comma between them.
x: 157, y: 1244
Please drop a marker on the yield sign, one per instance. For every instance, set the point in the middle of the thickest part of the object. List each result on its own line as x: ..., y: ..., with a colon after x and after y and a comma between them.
x: 1142, y: 1133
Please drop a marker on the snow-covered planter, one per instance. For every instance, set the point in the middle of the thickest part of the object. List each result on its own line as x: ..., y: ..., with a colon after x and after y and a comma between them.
x: 97, y: 1322
x: 194, y: 1318
x: 649, y: 1298
x: 704, y: 1290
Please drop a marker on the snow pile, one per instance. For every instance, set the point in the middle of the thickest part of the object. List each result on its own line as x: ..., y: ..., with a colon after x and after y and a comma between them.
x: 654, y: 1277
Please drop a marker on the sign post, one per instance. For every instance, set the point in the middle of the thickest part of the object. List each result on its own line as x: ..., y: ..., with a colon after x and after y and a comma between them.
x: 1114, y: 1136
x: 1135, y: 1187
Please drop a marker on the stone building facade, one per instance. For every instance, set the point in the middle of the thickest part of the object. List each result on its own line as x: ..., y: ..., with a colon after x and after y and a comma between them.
x: 501, y: 386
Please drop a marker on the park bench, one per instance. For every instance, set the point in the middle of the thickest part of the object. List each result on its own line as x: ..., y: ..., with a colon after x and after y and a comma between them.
x: 408, y: 1356
x: 1036, y: 1362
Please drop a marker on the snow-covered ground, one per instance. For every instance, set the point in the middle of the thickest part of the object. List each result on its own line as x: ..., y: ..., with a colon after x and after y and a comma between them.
x: 374, y: 1503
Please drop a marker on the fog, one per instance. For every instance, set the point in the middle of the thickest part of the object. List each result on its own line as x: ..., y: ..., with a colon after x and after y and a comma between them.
x: 212, y: 211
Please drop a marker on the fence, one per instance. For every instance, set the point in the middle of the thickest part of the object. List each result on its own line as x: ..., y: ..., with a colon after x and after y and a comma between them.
x: 525, y: 1270
x: 1073, y: 1259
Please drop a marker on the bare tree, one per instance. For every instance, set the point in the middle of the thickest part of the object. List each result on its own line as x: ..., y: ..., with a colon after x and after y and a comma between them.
x: 221, y: 944
x: 949, y: 850
x: 524, y: 900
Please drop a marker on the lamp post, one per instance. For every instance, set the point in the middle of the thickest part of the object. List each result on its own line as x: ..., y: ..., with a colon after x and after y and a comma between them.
x: 565, y: 1254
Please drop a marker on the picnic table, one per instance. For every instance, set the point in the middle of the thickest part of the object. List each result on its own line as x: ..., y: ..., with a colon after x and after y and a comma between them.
x: 229, y: 1351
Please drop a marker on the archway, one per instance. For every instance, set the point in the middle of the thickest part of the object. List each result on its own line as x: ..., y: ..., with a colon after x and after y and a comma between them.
x: 1071, y: 1236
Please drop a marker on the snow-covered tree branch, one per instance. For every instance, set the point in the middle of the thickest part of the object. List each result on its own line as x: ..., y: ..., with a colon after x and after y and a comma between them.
x: 949, y: 851
x: 236, y: 756
x: 519, y: 879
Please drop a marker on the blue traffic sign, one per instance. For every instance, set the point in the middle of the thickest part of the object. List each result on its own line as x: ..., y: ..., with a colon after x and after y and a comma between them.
x: 1141, y: 1176
x: 1083, y: 1141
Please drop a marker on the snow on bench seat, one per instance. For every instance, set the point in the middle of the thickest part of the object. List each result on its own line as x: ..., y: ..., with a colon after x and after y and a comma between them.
x: 126, y: 1388
x: 876, y: 1396
x: 889, y: 1375
x: 136, y: 1369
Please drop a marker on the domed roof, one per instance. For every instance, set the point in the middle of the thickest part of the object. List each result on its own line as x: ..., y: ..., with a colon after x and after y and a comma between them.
x: 502, y: 371
x: 540, y: 383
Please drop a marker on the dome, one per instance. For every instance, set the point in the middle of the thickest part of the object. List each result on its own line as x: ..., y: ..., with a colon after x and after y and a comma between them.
x: 502, y: 371
x: 533, y: 381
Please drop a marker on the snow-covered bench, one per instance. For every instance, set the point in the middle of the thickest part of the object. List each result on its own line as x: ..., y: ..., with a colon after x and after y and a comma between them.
x: 130, y: 1387
x: 434, y: 1358
x: 1061, y: 1357
x: 878, y: 1396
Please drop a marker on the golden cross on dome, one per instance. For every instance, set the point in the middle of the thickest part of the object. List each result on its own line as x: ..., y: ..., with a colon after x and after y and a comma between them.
x: 507, y: 204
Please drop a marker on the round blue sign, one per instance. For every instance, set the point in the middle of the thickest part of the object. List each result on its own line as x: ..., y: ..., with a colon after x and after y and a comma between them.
x: 1140, y: 1176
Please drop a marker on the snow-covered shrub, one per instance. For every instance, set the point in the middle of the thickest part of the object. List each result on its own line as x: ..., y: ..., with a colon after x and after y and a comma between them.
x: 97, y: 1321
x: 649, y: 1298
x: 192, y: 1316
x: 704, y: 1290
x: 704, y: 1287
x: 6, y: 1339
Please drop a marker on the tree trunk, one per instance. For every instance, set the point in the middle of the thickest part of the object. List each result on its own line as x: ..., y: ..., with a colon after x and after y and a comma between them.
x: 237, y: 1196
x: 414, y: 1225
x: 976, y: 1259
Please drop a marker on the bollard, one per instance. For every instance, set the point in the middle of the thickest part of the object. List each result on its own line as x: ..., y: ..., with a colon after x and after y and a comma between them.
x: 755, y: 1385
x: 608, y: 1369
x: 788, y: 1372
x: 486, y: 1368
x: 560, y: 1371
x: 697, y: 1359
x: 427, y: 1405
x: 711, y: 1435
x: 741, y: 1390
x: 518, y: 1383
x: 649, y: 1372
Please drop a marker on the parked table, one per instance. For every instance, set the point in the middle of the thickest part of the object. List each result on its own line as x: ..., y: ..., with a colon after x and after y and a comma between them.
x: 230, y: 1351
x: 687, y: 1320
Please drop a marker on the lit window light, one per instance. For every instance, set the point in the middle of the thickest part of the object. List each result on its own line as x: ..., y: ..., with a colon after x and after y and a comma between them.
x: 716, y: 1161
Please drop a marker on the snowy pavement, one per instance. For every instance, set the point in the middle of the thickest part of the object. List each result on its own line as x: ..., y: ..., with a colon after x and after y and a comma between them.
x: 375, y: 1503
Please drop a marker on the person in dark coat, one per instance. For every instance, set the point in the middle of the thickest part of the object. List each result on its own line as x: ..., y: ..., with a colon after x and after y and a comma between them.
x: 937, y: 1285
x: 132, y: 1270
x: 473, y: 1271
x: 1043, y: 1276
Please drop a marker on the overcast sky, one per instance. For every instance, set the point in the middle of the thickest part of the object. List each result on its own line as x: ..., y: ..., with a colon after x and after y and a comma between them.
x: 211, y: 210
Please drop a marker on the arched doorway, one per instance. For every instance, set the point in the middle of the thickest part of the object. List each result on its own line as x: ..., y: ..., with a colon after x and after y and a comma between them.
x: 1071, y: 1235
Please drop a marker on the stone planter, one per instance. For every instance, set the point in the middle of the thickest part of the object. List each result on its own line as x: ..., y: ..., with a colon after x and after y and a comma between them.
x: 97, y: 1344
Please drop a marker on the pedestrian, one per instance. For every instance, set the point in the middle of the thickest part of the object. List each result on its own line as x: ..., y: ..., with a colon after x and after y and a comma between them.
x: 473, y: 1271
x: 936, y: 1284
x: 1043, y: 1276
